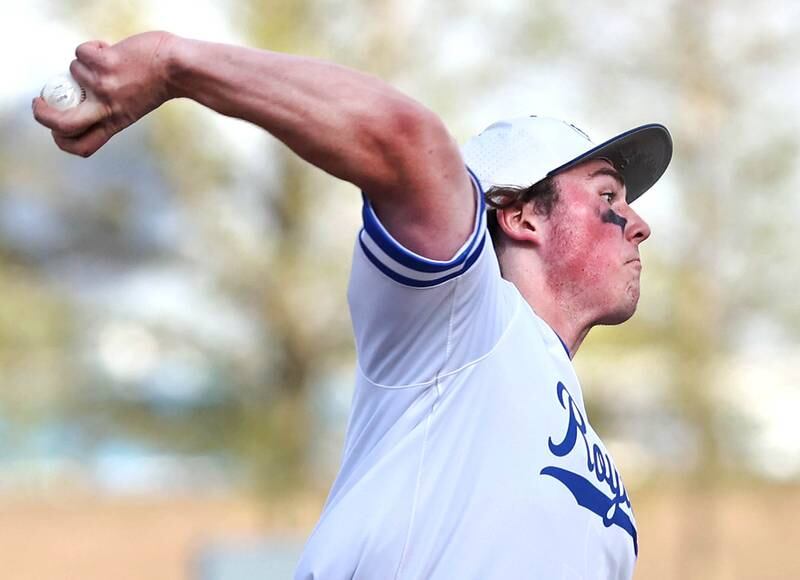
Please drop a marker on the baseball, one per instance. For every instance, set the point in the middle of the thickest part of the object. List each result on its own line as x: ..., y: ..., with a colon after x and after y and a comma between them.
x: 63, y: 92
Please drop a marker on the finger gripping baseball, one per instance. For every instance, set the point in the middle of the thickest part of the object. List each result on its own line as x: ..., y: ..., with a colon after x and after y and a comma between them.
x: 85, y: 144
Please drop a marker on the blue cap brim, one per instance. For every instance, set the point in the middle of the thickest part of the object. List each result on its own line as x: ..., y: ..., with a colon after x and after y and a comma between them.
x: 641, y: 155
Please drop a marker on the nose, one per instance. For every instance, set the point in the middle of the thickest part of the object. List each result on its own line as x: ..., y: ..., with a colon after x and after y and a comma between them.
x: 637, y: 230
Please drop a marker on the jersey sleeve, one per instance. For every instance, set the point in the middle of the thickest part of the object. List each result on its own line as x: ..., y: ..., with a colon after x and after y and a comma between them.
x: 414, y: 318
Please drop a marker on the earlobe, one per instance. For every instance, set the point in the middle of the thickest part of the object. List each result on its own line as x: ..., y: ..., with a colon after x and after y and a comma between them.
x: 520, y: 223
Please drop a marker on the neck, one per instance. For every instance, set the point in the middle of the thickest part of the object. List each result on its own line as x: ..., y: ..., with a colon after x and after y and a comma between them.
x: 564, y: 323
x: 552, y: 303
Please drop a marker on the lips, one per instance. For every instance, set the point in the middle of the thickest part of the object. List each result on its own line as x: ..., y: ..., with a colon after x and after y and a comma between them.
x: 636, y: 262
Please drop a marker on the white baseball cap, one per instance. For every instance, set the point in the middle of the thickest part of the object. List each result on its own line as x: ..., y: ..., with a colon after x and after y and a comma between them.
x: 522, y: 151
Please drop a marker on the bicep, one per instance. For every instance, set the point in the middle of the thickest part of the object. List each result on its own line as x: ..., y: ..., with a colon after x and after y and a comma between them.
x: 431, y: 205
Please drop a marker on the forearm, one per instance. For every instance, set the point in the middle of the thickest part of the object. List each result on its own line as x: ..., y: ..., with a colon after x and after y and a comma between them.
x: 349, y: 124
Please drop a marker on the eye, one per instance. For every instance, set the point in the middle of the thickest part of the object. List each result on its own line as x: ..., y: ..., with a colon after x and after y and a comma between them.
x: 609, y: 195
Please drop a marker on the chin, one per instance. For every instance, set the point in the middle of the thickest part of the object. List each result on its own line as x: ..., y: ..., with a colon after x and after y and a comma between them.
x: 617, y: 317
x: 622, y: 311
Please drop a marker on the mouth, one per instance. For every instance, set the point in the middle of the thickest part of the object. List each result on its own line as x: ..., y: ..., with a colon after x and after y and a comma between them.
x: 636, y: 263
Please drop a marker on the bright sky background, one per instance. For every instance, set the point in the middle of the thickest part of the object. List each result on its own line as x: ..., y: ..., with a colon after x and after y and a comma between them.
x: 48, y: 46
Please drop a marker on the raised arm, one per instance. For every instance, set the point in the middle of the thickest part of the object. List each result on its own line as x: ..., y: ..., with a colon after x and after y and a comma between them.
x: 352, y: 125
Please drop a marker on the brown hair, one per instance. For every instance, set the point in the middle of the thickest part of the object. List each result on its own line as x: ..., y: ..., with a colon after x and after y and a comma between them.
x: 543, y: 194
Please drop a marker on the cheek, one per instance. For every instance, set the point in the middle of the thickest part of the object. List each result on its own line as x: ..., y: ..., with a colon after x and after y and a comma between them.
x: 588, y: 251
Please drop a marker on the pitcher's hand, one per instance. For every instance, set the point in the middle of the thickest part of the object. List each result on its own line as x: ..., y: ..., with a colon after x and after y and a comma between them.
x: 126, y: 80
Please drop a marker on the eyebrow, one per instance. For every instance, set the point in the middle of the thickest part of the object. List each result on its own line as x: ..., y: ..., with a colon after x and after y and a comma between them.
x: 613, y: 173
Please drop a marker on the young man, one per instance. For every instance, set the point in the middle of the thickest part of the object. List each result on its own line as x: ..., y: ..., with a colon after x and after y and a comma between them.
x: 468, y: 452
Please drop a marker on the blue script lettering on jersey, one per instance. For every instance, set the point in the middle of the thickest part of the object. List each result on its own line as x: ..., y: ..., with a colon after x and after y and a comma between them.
x: 598, y: 463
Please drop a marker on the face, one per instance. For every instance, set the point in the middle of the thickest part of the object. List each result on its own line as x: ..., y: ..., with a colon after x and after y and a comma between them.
x: 591, y: 247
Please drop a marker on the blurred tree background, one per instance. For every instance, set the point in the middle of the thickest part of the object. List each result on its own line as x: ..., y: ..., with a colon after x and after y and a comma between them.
x: 181, y: 294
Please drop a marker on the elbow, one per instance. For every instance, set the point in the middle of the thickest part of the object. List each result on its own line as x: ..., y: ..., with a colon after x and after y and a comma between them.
x: 407, y: 138
x: 410, y: 127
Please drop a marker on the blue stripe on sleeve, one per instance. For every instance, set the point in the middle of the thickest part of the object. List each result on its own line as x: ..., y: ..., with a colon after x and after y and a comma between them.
x: 398, y: 257
x: 422, y: 283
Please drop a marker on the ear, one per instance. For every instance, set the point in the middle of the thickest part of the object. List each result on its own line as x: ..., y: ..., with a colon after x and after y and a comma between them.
x: 521, y: 224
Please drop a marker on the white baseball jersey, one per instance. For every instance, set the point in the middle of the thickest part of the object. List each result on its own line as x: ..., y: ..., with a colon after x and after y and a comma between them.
x: 468, y: 451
